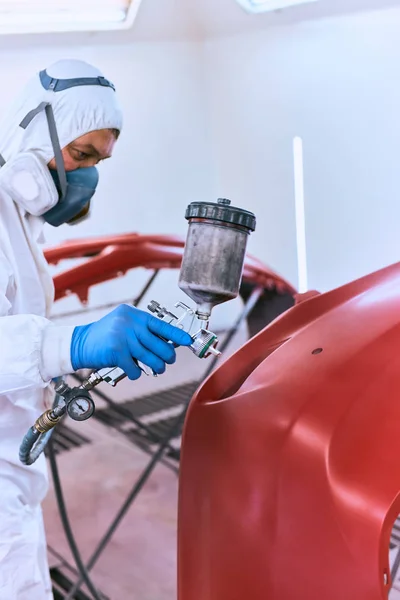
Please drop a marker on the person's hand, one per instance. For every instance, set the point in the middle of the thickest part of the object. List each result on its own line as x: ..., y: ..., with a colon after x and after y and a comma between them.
x: 123, y: 336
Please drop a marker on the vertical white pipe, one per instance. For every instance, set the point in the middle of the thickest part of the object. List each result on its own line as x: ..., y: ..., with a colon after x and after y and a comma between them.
x: 300, y: 214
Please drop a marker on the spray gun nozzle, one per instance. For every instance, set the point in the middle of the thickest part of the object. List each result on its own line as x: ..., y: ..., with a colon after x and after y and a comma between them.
x: 214, y: 351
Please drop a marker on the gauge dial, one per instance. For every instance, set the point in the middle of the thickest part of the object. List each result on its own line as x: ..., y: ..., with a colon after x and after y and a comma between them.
x: 81, y: 408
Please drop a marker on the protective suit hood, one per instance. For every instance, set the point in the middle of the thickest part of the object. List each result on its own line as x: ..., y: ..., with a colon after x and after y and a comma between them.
x: 77, y: 111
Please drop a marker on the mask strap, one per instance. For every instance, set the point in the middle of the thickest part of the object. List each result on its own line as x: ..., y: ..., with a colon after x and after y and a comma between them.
x: 54, y: 140
x: 59, y: 85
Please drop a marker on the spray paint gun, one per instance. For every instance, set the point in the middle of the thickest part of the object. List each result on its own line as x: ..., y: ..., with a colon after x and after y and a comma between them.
x: 77, y: 402
x: 210, y: 274
x: 204, y: 343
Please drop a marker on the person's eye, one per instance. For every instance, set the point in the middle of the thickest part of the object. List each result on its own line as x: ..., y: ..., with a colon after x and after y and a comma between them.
x: 79, y: 155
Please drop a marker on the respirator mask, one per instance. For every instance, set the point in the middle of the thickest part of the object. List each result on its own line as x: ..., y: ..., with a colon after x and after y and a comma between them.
x: 59, y: 196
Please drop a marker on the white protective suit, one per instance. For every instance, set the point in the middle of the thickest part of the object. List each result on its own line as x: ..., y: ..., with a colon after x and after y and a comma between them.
x: 32, y: 349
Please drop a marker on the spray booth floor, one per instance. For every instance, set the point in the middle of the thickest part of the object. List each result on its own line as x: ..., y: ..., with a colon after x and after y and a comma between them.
x: 139, y: 561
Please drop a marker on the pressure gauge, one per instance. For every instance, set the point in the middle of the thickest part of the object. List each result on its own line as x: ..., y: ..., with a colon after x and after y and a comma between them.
x: 81, y: 408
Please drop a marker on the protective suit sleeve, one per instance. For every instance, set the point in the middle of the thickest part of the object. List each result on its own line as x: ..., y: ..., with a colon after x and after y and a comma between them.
x: 56, y: 351
x: 32, y: 349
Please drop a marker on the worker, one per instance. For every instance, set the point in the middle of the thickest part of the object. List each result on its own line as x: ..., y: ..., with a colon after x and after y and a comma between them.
x: 65, y: 121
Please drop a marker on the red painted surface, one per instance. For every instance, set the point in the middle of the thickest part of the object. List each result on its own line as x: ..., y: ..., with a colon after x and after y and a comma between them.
x: 290, y: 470
x: 111, y: 256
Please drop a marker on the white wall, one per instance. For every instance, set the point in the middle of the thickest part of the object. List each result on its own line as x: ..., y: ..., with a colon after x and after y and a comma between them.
x: 336, y: 83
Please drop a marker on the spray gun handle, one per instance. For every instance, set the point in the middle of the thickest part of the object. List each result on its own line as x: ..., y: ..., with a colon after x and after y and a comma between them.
x: 113, y: 375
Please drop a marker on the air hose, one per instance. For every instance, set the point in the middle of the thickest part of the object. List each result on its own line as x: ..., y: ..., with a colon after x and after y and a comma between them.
x: 36, y: 440
x: 33, y: 445
x: 67, y: 526
x: 38, y: 436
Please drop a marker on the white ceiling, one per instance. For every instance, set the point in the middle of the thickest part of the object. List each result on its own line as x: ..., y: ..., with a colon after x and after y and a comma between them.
x: 198, y: 19
x: 226, y: 17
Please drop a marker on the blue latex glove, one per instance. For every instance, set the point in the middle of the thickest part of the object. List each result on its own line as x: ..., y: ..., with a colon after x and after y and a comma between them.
x: 123, y: 335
